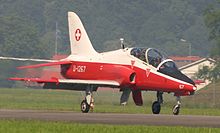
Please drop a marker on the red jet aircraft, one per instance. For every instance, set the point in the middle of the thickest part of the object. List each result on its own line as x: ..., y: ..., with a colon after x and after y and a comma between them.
x: 130, y: 69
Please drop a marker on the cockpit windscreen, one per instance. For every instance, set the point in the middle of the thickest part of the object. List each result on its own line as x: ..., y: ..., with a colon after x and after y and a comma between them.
x: 148, y: 55
x: 139, y: 53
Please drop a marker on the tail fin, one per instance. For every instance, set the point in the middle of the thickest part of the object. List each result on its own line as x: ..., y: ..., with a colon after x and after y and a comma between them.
x: 79, y: 40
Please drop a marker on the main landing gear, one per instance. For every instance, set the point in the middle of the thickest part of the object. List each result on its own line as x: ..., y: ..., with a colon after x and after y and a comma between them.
x: 156, y: 106
x: 88, y: 103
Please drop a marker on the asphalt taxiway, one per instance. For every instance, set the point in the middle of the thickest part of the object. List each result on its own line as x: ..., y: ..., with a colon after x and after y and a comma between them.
x: 112, y: 118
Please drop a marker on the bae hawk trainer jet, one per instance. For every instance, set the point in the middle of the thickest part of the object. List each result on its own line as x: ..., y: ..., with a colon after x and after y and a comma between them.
x: 133, y: 70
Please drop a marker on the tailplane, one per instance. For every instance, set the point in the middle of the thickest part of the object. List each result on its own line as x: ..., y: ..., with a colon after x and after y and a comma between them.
x: 79, y: 40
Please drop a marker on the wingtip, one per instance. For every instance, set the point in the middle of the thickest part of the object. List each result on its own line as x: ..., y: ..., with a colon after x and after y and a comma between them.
x: 19, y: 68
x: 14, y: 78
x: 23, y: 67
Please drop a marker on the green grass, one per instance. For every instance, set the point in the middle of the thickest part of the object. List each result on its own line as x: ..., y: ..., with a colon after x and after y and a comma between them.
x: 27, y: 126
x: 105, y: 101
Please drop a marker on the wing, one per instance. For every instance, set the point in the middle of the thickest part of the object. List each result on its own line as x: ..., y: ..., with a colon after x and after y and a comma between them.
x: 70, y: 81
x: 55, y: 83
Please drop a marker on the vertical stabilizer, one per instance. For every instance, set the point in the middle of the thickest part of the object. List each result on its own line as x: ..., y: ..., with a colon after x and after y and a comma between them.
x: 79, y: 40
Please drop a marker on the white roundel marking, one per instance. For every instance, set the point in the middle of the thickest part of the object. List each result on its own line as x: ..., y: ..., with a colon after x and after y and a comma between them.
x: 78, y: 34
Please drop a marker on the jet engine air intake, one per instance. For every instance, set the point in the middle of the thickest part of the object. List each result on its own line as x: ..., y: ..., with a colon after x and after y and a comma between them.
x: 132, y: 77
x: 126, y: 76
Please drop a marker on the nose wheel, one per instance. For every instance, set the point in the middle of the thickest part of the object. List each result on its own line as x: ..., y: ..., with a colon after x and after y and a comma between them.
x: 176, y: 108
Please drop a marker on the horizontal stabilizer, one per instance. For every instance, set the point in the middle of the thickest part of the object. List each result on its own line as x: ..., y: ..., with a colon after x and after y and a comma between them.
x: 25, y: 59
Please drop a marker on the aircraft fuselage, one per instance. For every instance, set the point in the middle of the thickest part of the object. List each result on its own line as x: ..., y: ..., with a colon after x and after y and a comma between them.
x: 128, y: 71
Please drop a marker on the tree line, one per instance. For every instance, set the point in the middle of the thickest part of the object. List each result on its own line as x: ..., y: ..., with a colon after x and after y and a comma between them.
x: 212, y: 21
x: 28, y: 28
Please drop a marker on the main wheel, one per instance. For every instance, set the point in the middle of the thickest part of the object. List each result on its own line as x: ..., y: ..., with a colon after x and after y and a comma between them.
x: 85, y: 106
x: 156, y: 107
x: 176, y: 109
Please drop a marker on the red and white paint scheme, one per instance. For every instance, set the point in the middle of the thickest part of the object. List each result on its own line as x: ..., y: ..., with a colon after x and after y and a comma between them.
x: 133, y: 70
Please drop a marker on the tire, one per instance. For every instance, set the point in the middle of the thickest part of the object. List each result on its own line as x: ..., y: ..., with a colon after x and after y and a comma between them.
x: 156, y: 107
x: 176, y: 109
x: 85, y: 107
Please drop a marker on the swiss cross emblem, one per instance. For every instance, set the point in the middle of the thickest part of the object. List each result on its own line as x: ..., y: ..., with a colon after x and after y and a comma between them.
x: 78, y: 34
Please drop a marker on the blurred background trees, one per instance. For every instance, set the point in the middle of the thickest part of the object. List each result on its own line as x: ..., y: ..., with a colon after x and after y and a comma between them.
x: 212, y: 21
x: 28, y: 28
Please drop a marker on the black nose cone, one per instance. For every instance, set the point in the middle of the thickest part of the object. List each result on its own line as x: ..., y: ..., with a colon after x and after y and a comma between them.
x: 183, y: 77
x: 178, y: 75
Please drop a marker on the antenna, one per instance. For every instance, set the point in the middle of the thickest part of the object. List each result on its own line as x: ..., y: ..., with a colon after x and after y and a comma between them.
x: 122, y: 43
x: 56, y: 38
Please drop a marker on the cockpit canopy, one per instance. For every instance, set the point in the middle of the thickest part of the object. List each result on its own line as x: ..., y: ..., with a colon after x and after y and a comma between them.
x: 148, y: 55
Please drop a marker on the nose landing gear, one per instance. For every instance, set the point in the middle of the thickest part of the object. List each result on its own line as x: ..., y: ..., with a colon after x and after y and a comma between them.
x: 176, y: 108
x: 156, y: 106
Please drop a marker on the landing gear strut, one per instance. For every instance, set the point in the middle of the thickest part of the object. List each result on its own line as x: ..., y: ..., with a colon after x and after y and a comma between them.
x: 88, y: 103
x: 176, y: 108
x: 156, y: 106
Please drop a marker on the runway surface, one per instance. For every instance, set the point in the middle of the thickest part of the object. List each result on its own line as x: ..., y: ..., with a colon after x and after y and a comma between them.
x: 110, y: 118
